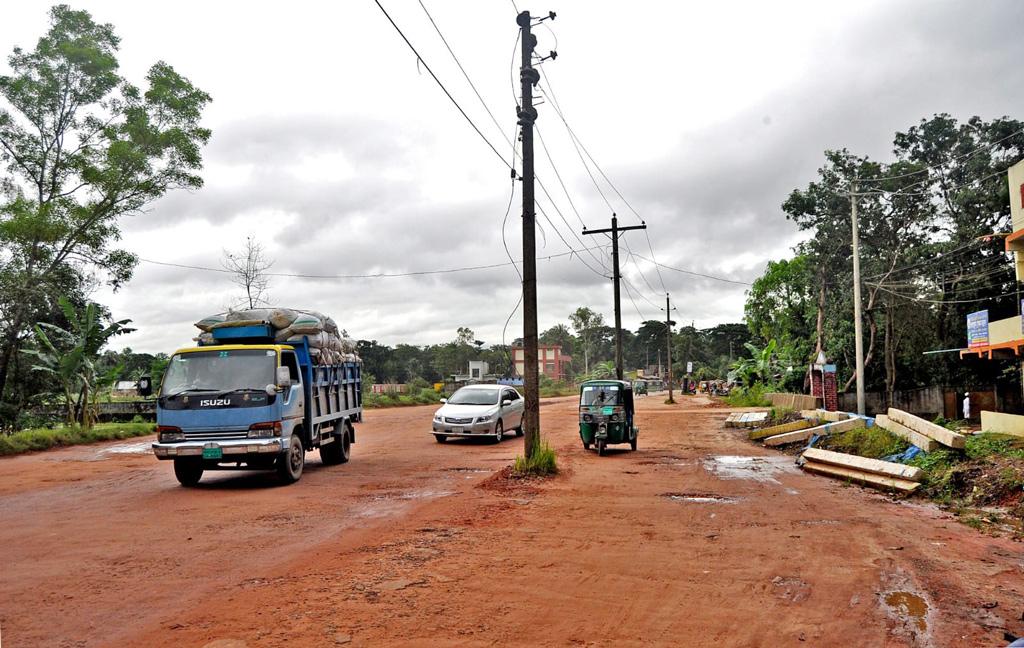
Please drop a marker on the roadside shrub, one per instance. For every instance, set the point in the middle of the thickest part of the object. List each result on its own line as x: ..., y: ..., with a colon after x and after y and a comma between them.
x: 752, y: 396
x: 540, y: 463
x: 873, y: 442
x: 45, y: 438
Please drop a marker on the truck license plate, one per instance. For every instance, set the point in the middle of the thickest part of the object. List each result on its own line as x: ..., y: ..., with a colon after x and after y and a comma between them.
x: 213, y: 453
x: 456, y: 430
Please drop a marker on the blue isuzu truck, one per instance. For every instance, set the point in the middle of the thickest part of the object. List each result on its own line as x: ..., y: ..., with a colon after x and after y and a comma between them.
x: 243, y: 401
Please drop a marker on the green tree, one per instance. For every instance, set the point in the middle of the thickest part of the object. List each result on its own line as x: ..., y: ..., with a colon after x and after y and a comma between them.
x: 80, y: 147
x: 71, y: 357
x: 586, y: 323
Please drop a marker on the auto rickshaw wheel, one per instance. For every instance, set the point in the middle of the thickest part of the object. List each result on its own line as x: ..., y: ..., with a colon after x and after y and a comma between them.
x: 600, y: 448
x: 632, y: 444
x: 586, y: 444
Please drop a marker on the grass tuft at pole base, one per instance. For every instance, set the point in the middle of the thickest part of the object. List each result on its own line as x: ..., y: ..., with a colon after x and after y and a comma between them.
x: 540, y: 463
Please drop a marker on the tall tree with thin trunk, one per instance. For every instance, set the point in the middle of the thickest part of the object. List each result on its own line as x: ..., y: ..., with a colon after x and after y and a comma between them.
x: 81, y: 147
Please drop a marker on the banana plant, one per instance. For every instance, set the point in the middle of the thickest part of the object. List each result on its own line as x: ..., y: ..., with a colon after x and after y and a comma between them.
x: 71, y: 357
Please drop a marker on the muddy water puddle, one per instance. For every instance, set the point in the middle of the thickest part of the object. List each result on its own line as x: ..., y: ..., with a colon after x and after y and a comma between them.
x: 762, y: 469
x: 700, y: 498
x: 909, y: 608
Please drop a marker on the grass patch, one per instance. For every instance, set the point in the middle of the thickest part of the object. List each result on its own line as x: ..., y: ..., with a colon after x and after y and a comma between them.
x: 752, y: 396
x: 425, y: 396
x: 540, y: 463
x: 873, y: 442
x: 46, y: 438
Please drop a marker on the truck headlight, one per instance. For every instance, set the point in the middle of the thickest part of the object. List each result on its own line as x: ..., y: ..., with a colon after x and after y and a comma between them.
x: 265, y: 430
x: 169, y: 434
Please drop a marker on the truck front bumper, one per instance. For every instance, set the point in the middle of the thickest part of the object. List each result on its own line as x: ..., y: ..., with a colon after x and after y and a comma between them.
x: 233, y: 447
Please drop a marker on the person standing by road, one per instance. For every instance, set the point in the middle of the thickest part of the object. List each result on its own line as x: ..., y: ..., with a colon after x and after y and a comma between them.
x: 967, y: 406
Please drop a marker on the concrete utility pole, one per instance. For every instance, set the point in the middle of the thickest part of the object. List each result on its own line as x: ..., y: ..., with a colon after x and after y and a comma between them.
x: 529, y: 77
x: 614, y: 230
x: 668, y: 344
x: 857, y: 333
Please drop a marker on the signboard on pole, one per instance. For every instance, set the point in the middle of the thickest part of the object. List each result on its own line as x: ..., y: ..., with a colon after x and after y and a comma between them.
x: 977, y: 329
x: 689, y: 367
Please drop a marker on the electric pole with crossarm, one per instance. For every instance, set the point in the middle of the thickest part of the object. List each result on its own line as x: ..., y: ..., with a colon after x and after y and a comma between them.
x: 614, y: 230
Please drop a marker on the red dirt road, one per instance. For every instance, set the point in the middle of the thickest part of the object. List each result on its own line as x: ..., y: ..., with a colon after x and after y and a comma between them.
x: 698, y: 538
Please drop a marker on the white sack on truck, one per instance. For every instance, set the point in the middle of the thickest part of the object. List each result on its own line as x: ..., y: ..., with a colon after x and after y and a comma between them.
x: 328, y: 344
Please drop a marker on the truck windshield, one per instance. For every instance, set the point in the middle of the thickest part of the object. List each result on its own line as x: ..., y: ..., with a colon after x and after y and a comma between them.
x: 474, y: 397
x: 600, y: 395
x: 219, y: 370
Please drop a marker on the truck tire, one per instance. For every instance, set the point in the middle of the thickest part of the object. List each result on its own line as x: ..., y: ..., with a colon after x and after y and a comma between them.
x: 339, y: 450
x: 291, y: 463
x: 188, y: 471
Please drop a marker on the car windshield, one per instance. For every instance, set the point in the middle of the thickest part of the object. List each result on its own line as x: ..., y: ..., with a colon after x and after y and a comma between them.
x: 219, y: 370
x: 600, y: 395
x: 474, y: 397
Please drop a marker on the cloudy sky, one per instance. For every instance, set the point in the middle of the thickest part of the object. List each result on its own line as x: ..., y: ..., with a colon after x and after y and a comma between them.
x: 340, y: 154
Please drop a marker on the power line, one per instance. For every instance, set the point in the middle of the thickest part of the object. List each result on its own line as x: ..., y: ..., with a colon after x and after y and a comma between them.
x: 441, y: 85
x: 575, y: 139
x: 377, y: 275
x: 696, y: 274
x: 936, y: 166
x: 951, y: 253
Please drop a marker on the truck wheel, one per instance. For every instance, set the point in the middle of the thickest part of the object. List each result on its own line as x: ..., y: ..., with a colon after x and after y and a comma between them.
x: 291, y: 463
x: 337, y: 452
x: 188, y: 471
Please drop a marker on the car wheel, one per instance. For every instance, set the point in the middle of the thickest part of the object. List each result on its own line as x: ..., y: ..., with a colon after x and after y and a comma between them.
x: 440, y: 438
x: 188, y: 471
x: 499, y: 432
x: 291, y: 463
x: 519, y: 430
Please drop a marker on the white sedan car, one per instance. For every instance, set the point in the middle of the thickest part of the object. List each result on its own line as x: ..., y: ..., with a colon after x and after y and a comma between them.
x: 480, y: 411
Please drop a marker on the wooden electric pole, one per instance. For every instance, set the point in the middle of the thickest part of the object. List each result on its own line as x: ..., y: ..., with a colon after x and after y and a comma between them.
x: 668, y: 344
x: 614, y: 230
x: 529, y: 77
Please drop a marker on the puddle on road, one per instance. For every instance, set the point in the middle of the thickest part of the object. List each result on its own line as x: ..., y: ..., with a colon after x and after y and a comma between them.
x: 412, y: 495
x: 700, y: 498
x: 762, y: 469
x: 132, y: 448
x: 909, y: 608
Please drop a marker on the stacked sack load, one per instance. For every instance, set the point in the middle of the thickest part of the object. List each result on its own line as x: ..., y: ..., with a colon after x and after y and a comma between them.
x: 328, y: 344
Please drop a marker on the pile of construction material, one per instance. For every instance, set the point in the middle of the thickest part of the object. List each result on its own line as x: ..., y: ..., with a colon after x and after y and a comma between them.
x: 888, y: 475
x: 813, y: 423
x: 328, y: 344
x: 869, y: 472
x: 923, y: 433
x: 746, y: 419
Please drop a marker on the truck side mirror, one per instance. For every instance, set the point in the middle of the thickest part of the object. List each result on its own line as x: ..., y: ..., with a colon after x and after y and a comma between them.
x: 284, y: 377
x: 145, y: 386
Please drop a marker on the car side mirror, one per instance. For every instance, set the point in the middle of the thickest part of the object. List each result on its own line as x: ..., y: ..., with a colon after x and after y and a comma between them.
x: 145, y: 386
x: 506, y: 401
x: 284, y: 377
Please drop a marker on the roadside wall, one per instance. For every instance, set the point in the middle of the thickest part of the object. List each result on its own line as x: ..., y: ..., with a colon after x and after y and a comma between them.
x: 794, y: 401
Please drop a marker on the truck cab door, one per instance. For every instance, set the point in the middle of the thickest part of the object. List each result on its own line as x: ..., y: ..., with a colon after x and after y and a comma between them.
x: 293, y: 392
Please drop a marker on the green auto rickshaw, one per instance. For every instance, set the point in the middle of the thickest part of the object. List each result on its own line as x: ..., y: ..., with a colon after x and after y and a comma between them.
x: 606, y: 414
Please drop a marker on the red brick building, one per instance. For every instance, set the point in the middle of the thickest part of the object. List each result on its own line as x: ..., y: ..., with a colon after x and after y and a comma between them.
x: 551, y: 362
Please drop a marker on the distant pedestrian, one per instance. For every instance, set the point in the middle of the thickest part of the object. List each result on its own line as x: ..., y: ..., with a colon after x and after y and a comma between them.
x: 967, y: 407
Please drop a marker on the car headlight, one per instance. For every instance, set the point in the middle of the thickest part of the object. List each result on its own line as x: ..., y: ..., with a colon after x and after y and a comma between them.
x: 484, y: 418
x: 437, y: 418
